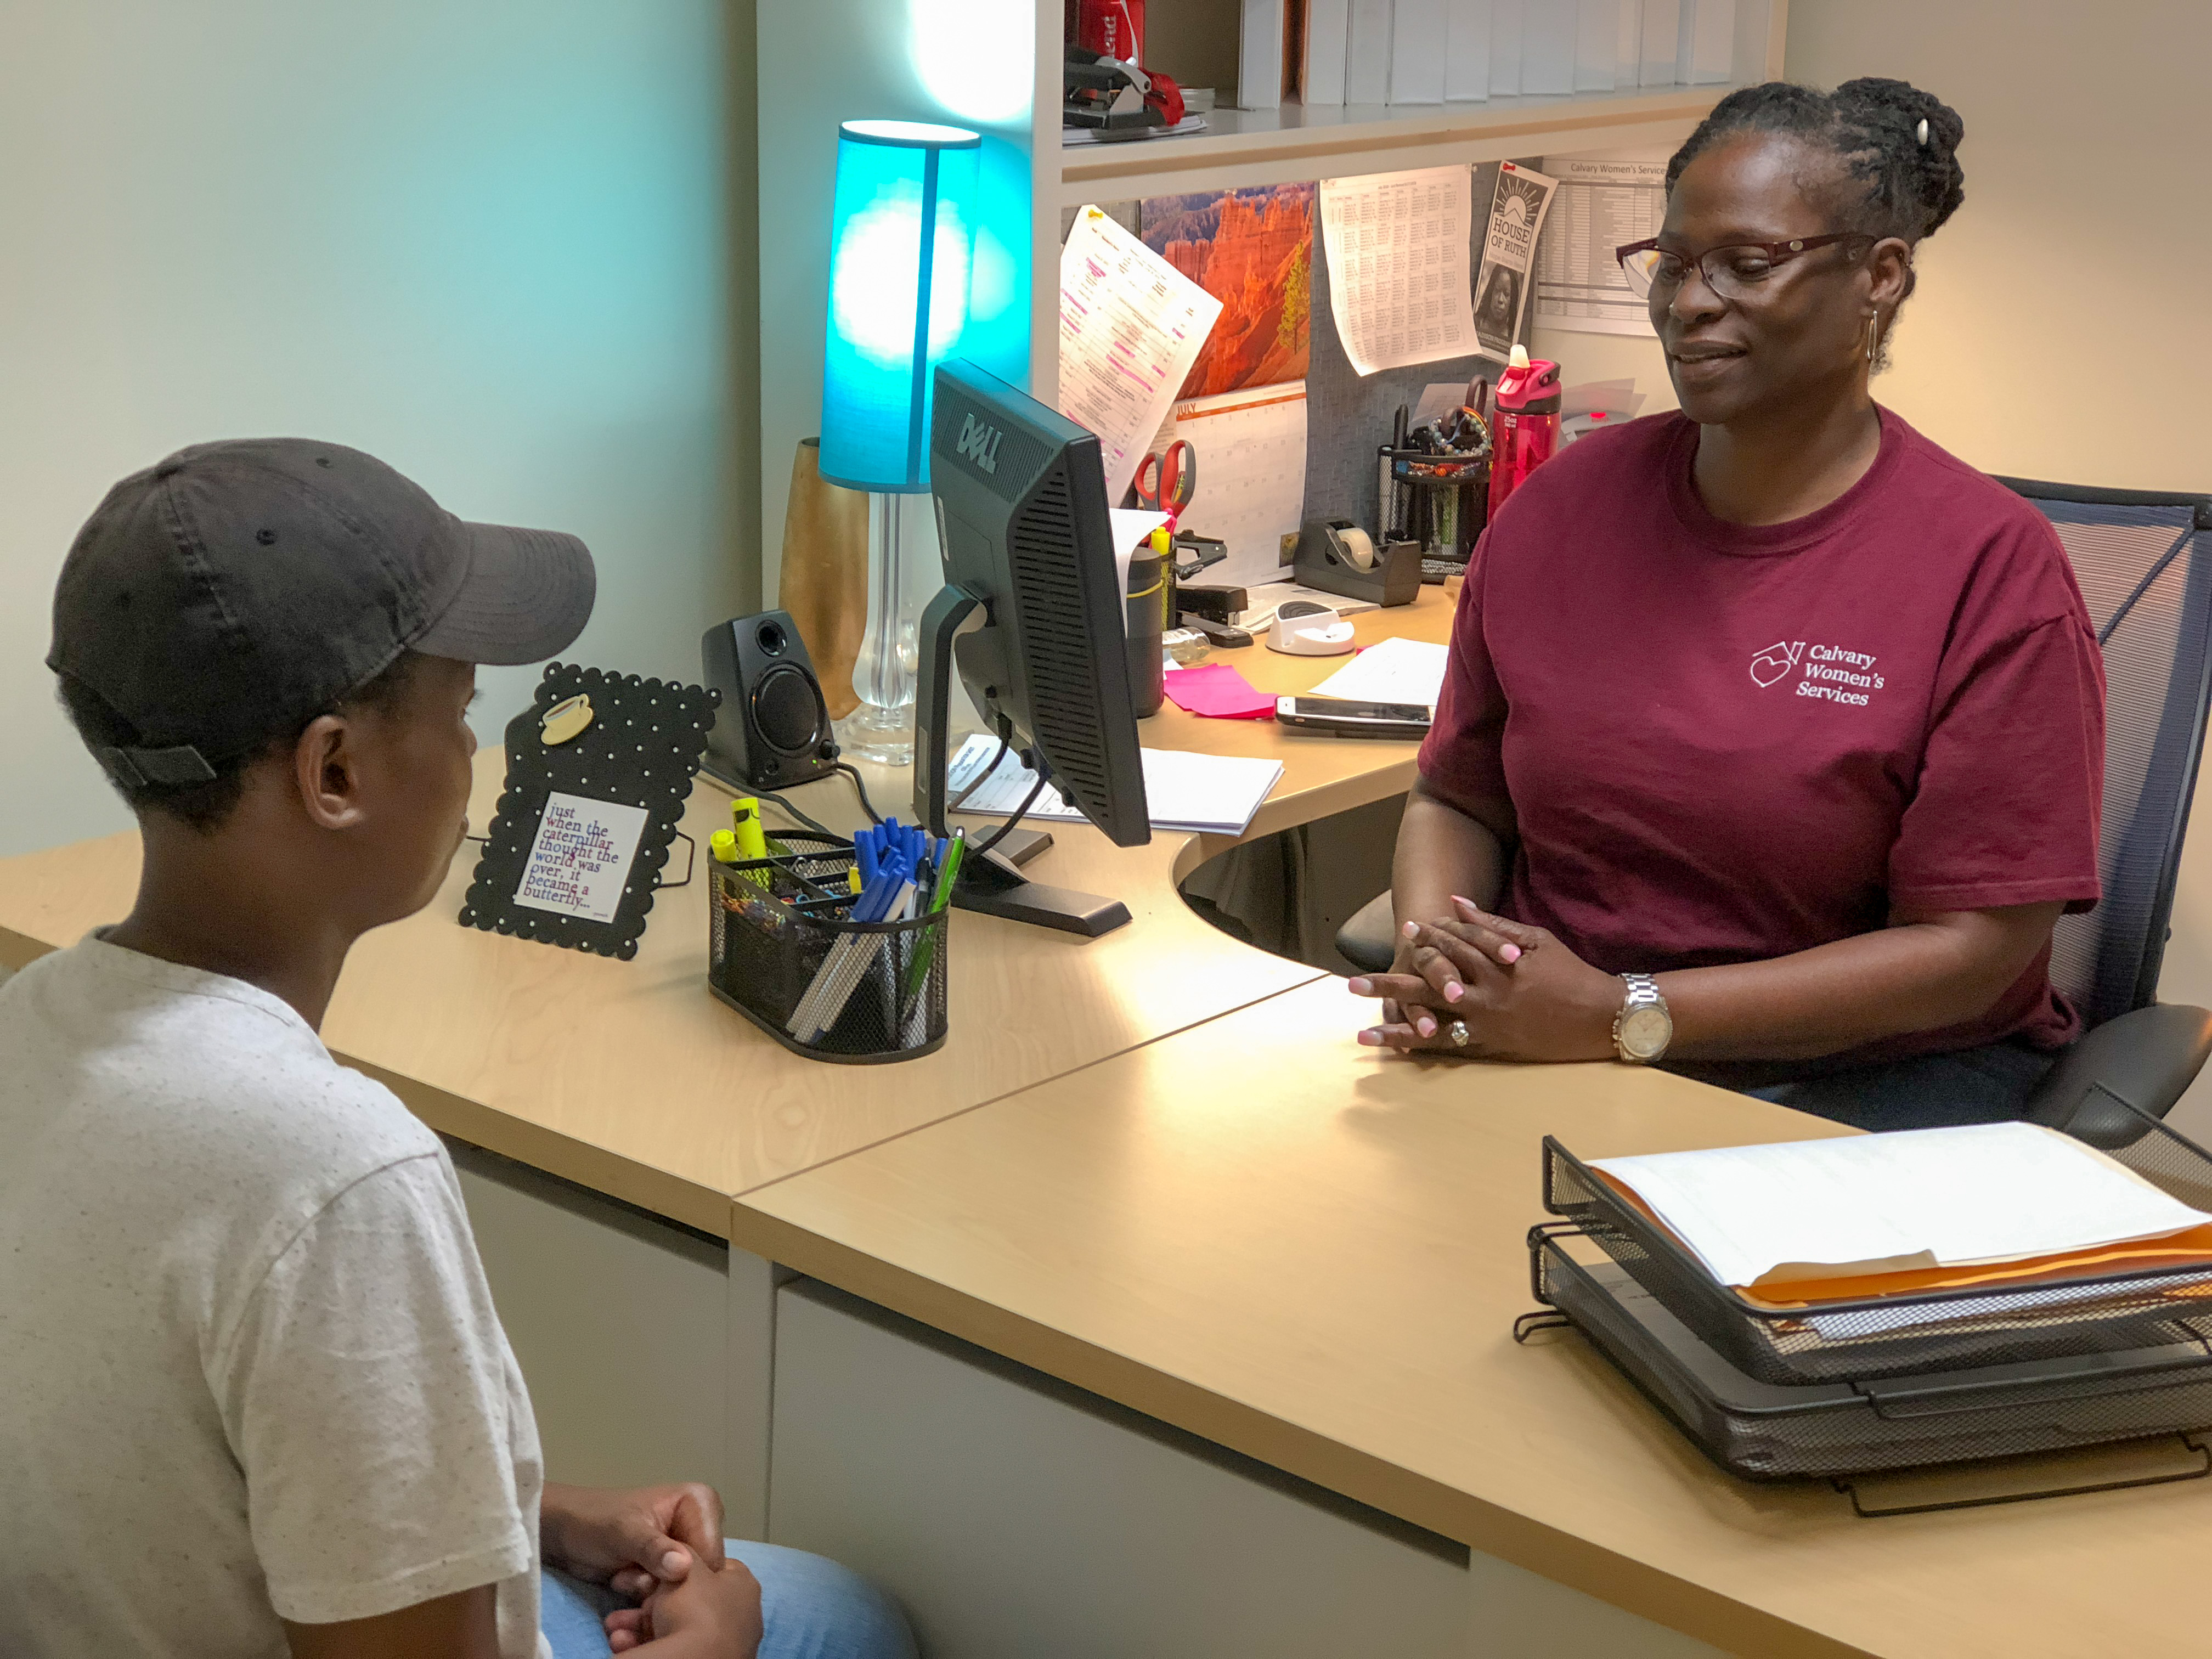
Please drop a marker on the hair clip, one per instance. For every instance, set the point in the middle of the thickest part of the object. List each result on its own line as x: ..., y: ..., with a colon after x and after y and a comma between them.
x: 1924, y: 132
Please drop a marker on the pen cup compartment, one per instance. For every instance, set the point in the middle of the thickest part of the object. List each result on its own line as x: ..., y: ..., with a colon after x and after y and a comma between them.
x: 783, y: 951
x: 1441, y: 502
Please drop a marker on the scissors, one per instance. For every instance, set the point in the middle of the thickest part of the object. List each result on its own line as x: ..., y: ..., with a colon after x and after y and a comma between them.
x: 1173, y: 480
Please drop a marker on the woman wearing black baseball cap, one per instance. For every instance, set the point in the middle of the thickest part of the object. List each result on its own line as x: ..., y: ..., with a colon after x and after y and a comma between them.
x: 259, y: 1399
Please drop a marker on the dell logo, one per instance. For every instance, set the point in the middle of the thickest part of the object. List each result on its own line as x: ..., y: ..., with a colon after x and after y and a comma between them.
x: 980, y: 443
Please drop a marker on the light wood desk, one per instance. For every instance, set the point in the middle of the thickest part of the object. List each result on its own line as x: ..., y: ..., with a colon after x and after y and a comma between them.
x: 1313, y: 1254
x: 628, y: 1079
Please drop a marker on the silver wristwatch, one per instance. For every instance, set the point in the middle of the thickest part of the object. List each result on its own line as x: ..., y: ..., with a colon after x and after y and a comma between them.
x: 1642, y: 1028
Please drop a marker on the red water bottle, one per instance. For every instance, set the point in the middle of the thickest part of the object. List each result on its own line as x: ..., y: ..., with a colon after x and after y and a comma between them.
x: 1526, y: 429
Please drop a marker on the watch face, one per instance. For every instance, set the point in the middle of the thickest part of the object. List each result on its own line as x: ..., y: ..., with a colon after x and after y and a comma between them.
x: 1645, y: 1031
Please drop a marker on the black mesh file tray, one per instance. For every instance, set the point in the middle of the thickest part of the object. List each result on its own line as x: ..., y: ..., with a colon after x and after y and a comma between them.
x: 1903, y: 1335
x: 1764, y: 1431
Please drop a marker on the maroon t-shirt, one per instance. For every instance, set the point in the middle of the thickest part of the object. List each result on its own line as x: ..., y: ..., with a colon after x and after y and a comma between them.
x: 1727, y: 743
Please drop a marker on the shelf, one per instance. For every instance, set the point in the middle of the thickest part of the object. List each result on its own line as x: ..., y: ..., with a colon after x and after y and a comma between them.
x: 1244, y: 146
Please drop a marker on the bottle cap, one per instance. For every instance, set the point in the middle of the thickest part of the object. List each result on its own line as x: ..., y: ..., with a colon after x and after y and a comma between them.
x: 1520, y: 357
x: 724, y: 843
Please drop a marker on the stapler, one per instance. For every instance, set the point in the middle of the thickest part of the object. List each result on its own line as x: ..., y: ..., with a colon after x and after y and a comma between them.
x: 1117, y: 100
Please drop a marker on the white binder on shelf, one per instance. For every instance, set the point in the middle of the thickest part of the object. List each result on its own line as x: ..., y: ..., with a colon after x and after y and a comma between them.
x: 1260, y: 56
x: 1628, y: 53
x: 1321, y: 80
x: 1367, y: 53
x: 1597, y: 42
x: 1467, y: 50
x: 1663, y: 43
x: 1704, y: 42
x: 1548, y: 45
x: 1505, y: 47
x: 1417, y: 51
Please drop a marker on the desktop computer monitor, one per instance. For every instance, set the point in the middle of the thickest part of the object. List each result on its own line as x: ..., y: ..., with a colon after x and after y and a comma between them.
x: 1032, y: 619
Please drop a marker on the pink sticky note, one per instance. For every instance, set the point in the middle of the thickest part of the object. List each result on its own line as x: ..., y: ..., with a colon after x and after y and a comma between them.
x: 1219, y: 692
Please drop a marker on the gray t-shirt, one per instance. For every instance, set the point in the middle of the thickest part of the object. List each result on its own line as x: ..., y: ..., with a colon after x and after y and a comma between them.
x: 249, y: 1365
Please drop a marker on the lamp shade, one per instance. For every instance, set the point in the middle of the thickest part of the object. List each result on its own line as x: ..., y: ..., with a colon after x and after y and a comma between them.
x: 901, y: 243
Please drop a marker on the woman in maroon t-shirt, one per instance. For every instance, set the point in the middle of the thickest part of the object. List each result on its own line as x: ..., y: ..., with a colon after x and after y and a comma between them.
x: 1773, y: 735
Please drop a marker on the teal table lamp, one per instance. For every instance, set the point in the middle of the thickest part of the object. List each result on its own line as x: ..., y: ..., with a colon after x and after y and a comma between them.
x: 902, y: 244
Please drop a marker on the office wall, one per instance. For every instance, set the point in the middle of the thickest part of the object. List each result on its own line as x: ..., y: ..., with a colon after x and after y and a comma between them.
x: 490, y: 243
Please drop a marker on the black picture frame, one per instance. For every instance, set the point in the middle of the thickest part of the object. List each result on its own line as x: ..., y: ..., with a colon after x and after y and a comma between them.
x: 643, y: 749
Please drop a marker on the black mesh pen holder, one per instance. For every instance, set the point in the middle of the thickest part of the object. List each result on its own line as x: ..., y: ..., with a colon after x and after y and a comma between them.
x: 1441, y: 502
x: 1902, y: 1335
x: 783, y: 951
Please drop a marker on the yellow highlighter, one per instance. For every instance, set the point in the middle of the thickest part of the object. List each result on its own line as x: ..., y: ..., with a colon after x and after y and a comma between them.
x: 724, y: 846
x: 745, y: 823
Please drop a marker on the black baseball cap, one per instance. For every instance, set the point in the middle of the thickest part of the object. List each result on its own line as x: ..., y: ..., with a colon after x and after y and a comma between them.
x: 228, y: 595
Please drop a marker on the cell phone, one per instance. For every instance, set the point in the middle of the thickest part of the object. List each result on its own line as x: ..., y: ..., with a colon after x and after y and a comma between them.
x: 1345, y: 717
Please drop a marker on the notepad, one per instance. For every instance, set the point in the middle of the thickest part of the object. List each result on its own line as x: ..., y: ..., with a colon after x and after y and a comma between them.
x: 1219, y: 692
x: 1205, y: 794
x: 1394, y: 671
x: 1919, y: 1209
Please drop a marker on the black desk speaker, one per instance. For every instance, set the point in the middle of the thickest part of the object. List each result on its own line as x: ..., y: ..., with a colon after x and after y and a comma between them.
x: 773, y: 729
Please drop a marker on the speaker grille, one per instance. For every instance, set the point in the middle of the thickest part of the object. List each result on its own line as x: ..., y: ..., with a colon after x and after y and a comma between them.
x: 785, y: 711
x: 1061, y: 661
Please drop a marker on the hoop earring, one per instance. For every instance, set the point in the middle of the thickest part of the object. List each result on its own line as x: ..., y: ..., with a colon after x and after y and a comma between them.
x: 1874, y: 333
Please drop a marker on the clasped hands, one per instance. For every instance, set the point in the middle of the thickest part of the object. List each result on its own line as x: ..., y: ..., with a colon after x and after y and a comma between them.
x: 1520, y: 993
x: 662, y: 1547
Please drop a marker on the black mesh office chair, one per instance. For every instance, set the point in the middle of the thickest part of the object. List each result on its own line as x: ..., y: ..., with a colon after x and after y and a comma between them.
x: 2144, y: 562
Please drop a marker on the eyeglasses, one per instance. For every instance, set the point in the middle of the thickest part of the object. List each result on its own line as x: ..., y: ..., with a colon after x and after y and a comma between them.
x: 1732, y: 272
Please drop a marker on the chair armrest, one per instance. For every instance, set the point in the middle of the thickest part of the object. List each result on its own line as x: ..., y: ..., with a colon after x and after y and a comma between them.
x: 2146, y: 1057
x: 1370, y: 940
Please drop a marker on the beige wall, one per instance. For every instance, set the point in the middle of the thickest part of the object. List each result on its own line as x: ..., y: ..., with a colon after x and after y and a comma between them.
x: 490, y: 243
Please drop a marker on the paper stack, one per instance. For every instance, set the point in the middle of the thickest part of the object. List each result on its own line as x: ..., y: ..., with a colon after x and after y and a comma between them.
x: 1205, y: 794
x: 1998, y: 1206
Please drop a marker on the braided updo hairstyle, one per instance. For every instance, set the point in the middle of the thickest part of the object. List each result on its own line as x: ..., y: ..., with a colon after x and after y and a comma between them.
x: 1898, y: 144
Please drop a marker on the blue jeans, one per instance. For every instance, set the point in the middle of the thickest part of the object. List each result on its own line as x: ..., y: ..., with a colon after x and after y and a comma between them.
x: 810, y: 1609
x: 1989, y: 1084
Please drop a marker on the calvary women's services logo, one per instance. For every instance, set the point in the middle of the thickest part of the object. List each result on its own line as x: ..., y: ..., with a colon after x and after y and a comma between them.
x: 1778, y: 659
x: 1831, y: 673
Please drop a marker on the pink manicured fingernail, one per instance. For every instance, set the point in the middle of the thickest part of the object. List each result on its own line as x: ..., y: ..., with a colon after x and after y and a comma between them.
x: 1361, y: 987
x: 673, y: 1563
x: 1510, y: 953
x: 1426, y: 1027
x: 1454, y: 990
x: 1468, y: 902
x: 1371, y: 1039
x: 1410, y: 929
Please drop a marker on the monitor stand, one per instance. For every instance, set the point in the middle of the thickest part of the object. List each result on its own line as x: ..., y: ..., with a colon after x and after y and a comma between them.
x: 989, y: 883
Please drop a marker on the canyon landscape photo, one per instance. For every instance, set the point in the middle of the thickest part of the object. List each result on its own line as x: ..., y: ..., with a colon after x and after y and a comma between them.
x: 1252, y: 251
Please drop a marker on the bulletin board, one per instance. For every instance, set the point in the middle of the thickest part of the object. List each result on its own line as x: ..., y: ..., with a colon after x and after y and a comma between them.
x: 598, y: 768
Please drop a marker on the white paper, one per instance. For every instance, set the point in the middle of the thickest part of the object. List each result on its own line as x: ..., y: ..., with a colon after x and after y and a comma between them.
x: 1603, y: 201
x: 1327, y: 25
x: 1129, y: 525
x: 1249, y: 449
x: 1505, y: 47
x: 1131, y: 326
x: 1397, y: 247
x: 1395, y: 670
x: 1367, y: 53
x: 1260, y: 56
x: 1467, y: 50
x: 1878, y: 1203
x: 1509, y: 251
x: 1417, y: 51
x: 581, y: 857
x: 1597, y: 36
x: 1548, y: 45
x: 1205, y: 794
